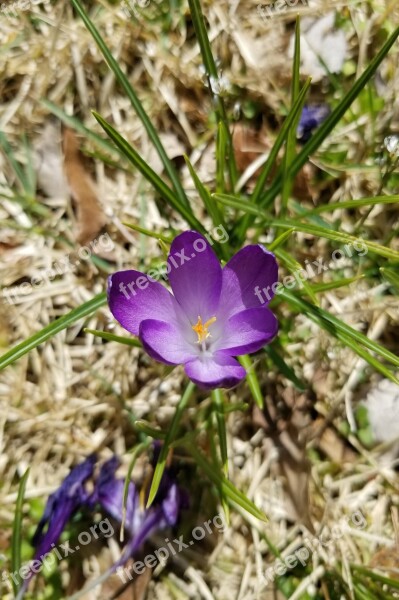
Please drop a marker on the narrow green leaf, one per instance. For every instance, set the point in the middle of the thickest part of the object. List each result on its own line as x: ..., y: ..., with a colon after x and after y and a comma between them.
x: 351, y: 204
x: 217, y: 398
x: 213, y: 77
x: 280, y: 240
x: 391, y: 276
x: 135, y: 454
x: 292, y: 116
x: 17, y: 536
x: 211, y: 206
x: 170, y: 436
x: 52, y: 329
x: 294, y: 266
x: 138, y: 107
x: 290, y: 148
x: 17, y: 168
x: 158, y: 236
x: 285, y: 369
x: 111, y: 337
x: 227, y: 487
x: 338, y: 236
x: 337, y: 327
x: 159, y: 185
x: 393, y: 583
x: 297, y: 225
x: 335, y: 285
x: 221, y: 151
x: 252, y: 379
x: 143, y: 427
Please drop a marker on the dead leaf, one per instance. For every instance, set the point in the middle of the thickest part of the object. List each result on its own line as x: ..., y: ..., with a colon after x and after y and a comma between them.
x: 249, y: 143
x: 90, y: 215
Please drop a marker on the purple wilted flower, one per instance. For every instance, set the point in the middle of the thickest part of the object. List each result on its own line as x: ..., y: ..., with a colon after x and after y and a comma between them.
x: 61, y: 505
x: 312, y: 116
x: 106, y: 494
x: 213, y: 315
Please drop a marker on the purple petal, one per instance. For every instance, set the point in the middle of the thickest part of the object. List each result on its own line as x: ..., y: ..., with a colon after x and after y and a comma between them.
x: 247, y: 331
x: 195, y: 276
x: 215, y: 371
x: 133, y: 297
x: 252, y: 268
x: 61, y: 505
x: 165, y: 342
x: 109, y: 493
x: 171, y: 505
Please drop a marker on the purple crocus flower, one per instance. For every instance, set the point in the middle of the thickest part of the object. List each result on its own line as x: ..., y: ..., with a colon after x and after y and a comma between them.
x: 213, y: 315
x: 106, y: 494
x: 312, y: 116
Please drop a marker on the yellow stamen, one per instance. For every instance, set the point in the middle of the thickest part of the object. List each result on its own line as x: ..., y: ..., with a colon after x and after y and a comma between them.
x: 201, y: 329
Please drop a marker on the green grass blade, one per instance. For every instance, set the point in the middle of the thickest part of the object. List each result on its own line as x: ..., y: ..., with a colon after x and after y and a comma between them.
x: 111, y: 337
x: 138, y: 107
x: 335, y: 285
x: 280, y: 240
x: 391, y: 277
x: 337, y: 327
x: 325, y: 129
x: 52, y: 329
x: 352, y: 204
x: 211, y: 206
x: 284, y: 369
x: 9, y: 153
x: 158, y: 236
x: 143, y: 427
x: 290, y: 148
x: 170, y: 436
x: 135, y: 454
x: 159, y: 185
x: 292, y: 116
x: 213, y: 76
x: 221, y: 151
x: 17, y: 537
x: 252, y: 379
x: 217, y: 398
x: 30, y: 172
x: 338, y: 236
x: 228, y: 489
x: 294, y: 266
x: 296, y: 225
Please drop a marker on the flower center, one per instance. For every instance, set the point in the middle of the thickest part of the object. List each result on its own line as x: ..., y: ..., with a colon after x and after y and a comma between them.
x: 201, y: 329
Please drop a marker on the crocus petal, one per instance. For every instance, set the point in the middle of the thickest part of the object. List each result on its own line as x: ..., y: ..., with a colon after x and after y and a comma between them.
x: 133, y: 297
x: 215, y: 371
x: 165, y: 342
x: 61, y: 505
x: 195, y: 275
x: 247, y: 331
x: 109, y: 493
x: 253, y: 268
